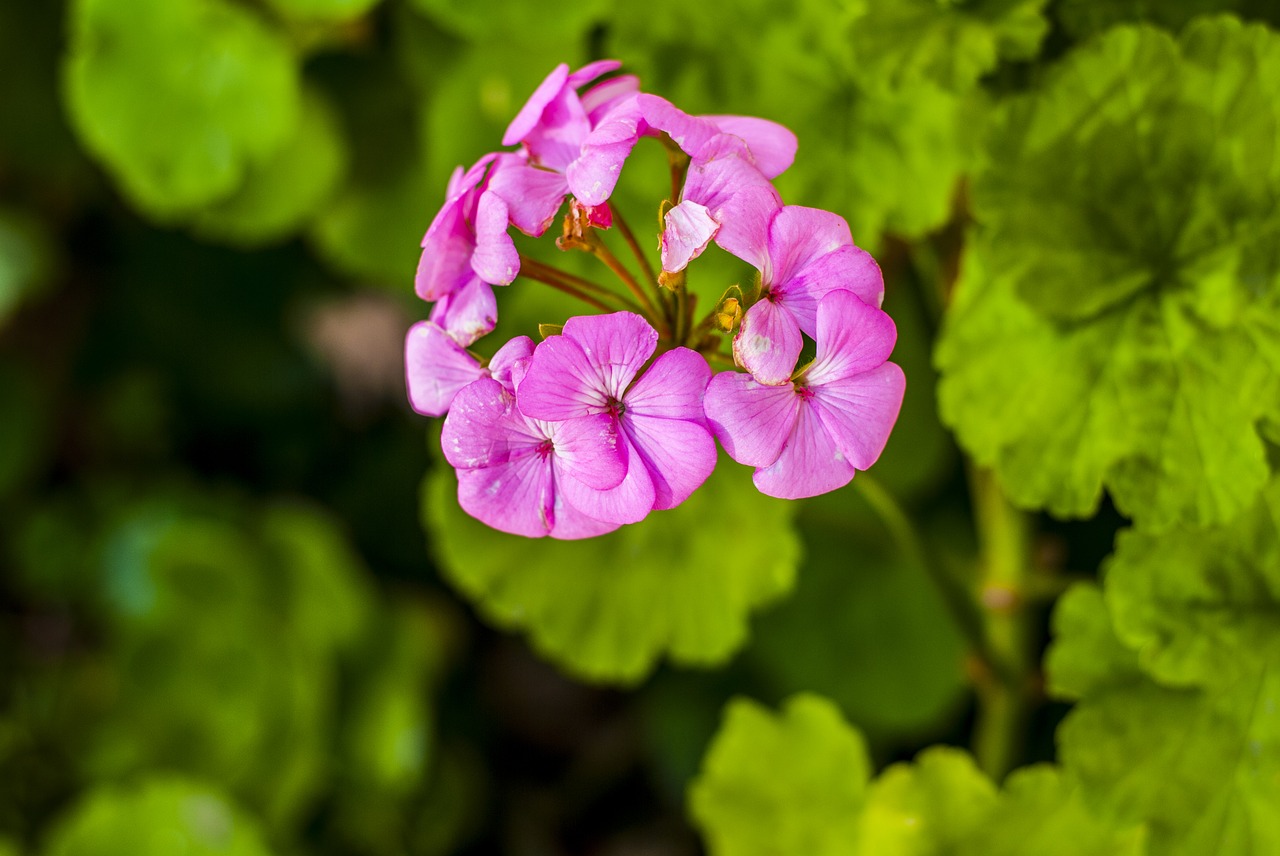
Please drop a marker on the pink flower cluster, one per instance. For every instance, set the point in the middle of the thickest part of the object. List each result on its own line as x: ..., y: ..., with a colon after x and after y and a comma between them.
x: 617, y: 414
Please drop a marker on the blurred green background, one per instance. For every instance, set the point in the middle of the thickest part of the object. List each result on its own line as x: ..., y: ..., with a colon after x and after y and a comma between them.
x: 239, y: 613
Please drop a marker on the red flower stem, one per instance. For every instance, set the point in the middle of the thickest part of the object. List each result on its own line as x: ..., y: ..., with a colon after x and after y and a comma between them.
x: 630, y: 238
x: 605, y: 255
x: 582, y: 289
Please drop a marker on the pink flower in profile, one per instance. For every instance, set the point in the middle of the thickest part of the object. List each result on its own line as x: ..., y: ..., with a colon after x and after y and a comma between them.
x: 589, y: 370
x: 806, y: 254
x: 515, y: 473
x: 552, y: 128
x: 808, y: 436
x: 466, y: 249
x: 725, y: 198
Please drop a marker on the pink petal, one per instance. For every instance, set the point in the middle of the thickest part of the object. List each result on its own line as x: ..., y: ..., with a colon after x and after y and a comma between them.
x: 690, y: 133
x: 618, y: 345
x: 798, y: 236
x: 689, y: 228
x: 750, y: 420
x: 533, y: 195
x: 436, y: 368
x: 445, y: 263
x: 515, y: 496
x: 678, y: 455
x: 859, y: 411
x: 768, y: 343
x: 531, y: 112
x: 468, y: 313
x: 509, y: 364
x: 672, y: 388
x: 603, y: 98
x: 590, y: 72
x: 572, y: 525
x: 561, y: 383
x: 852, y: 338
x: 810, y: 463
x: 773, y: 146
x: 628, y: 502
x: 744, y: 223
x: 484, y: 428
x: 593, y: 174
x: 848, y: 270
x: 589, y: 450
x: 495, y: 259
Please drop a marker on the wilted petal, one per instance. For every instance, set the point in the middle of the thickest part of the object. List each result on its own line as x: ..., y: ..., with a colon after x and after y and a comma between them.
x: 852, y: 338
x: 672, y: 388
x: 689, y: 228
x: 768, y: 343
x: 859, y: 411
x: 810, y: 462
x: 678, y: 455
x: 495, y: 259
x: 436, y: 368
x: 798, y: 236
x: 468, y: 313
x: 628, y: 502
x: 773, y: 146
x: 533, y: 195
x: 751, y: 420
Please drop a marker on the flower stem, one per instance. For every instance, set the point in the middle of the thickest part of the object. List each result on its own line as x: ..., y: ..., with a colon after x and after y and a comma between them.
x: 611, y: 261
x: 630, y: 238
x: 962, y: 606
x: 575, y: 286
x: 1004, y: 701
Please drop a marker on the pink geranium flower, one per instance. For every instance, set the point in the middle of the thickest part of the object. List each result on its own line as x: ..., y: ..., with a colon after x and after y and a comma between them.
x: 809, y: 435
x: 589, y: 370
x: 807, y: 253
x: 516, y: 473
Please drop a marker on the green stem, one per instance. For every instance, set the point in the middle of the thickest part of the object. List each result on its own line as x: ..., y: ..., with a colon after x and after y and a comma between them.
x: 1004, y: 702
x: 962, y: 606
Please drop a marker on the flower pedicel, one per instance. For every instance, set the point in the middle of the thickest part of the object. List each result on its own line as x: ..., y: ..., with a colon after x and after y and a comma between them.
x: 586, y: 430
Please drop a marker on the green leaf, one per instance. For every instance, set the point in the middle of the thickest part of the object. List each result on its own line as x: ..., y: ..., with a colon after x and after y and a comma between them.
x: 156, y: 816
x: 178, y: 98
x: 286, y: 191
x: 500, y: 21
x: 791, y: 783
x: 949, y: 44
x: 679, y: 584
x: 1200, y: 765
x: 1083, y: 18
x: 930, y: 806
x: 797, y: 783
x: 1041, y: 811
x: 867, y: 628
x: 1200, y: 605
x: 1086, y: 656
x: 323, y: 10
x: 1114, y: 325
